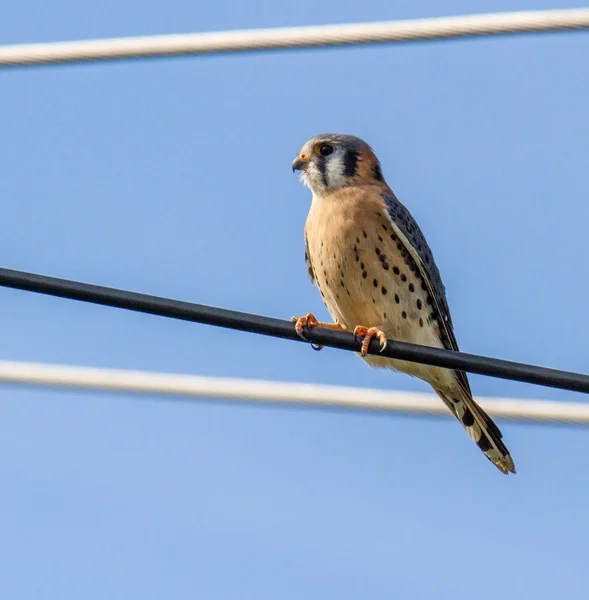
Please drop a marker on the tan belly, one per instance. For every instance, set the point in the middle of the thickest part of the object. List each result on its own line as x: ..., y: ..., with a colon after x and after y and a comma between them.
x: 365, y: 279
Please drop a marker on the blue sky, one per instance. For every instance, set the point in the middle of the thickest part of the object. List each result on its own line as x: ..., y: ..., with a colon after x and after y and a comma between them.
x: 172, y: 177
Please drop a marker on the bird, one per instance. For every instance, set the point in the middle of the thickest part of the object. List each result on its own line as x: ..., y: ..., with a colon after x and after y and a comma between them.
x: 377, y: 276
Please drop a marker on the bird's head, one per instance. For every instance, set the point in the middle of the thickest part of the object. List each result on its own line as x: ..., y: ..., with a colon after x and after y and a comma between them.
x: 331, y: 161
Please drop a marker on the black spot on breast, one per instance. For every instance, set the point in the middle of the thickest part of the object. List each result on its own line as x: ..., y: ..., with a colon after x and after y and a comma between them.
x: 364, y: 274
x: 350, y: 163
x: 341, y: 283
x: 385, y: 227
x: 380, y: 238
x: 430, y: 300
x: 396, y: 270
x: 364, y: 234
x: 397, y: 299
x: 411, y: 287
x: 420, y: 322
x: 404, y: 314
x: 383, y: 289
x: 423, y: 286
x: 403, y: 277
x: 362, y: 265
x: 357, y: 258
x: 358, y: 240
x: 375, y: 283
x: 377, y: 250
x: 418, y: 304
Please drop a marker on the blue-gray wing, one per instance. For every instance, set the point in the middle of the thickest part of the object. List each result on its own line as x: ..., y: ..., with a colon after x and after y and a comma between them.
x: 308, y: 263
x: 420, y: 252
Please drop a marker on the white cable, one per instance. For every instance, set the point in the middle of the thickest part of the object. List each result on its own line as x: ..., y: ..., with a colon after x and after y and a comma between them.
x: 64, y: 376
x: 295, y: 37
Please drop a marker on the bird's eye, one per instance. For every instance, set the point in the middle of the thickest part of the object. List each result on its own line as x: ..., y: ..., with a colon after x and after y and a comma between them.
x: 326, y: 149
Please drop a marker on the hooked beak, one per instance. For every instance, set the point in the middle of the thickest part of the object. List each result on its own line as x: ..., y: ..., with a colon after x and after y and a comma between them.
x: 299, y: 164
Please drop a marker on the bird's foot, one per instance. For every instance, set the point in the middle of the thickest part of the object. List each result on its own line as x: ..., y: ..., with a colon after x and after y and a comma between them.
x: 309, y: 321
x: 369, y: 333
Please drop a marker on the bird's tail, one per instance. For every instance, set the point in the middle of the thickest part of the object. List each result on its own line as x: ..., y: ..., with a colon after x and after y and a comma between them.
x: 479, y: 426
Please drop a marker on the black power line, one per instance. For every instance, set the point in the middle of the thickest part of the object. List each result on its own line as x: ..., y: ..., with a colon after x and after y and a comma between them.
x: 198, y: 313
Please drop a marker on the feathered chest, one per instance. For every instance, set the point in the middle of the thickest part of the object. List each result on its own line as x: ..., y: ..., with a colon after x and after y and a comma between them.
x: 363, y: 272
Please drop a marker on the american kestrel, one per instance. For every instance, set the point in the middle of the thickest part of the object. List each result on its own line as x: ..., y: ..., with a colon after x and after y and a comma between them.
x: 377, y: 275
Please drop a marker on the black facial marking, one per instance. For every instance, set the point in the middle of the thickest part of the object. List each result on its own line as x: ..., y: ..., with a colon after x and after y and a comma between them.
x: 322, y: 169
x: 350, y: 163
x: 377, y: 172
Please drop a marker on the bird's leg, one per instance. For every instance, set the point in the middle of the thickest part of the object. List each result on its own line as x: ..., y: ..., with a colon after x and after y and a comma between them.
x: 309, y: 321
x: 369, y: 333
